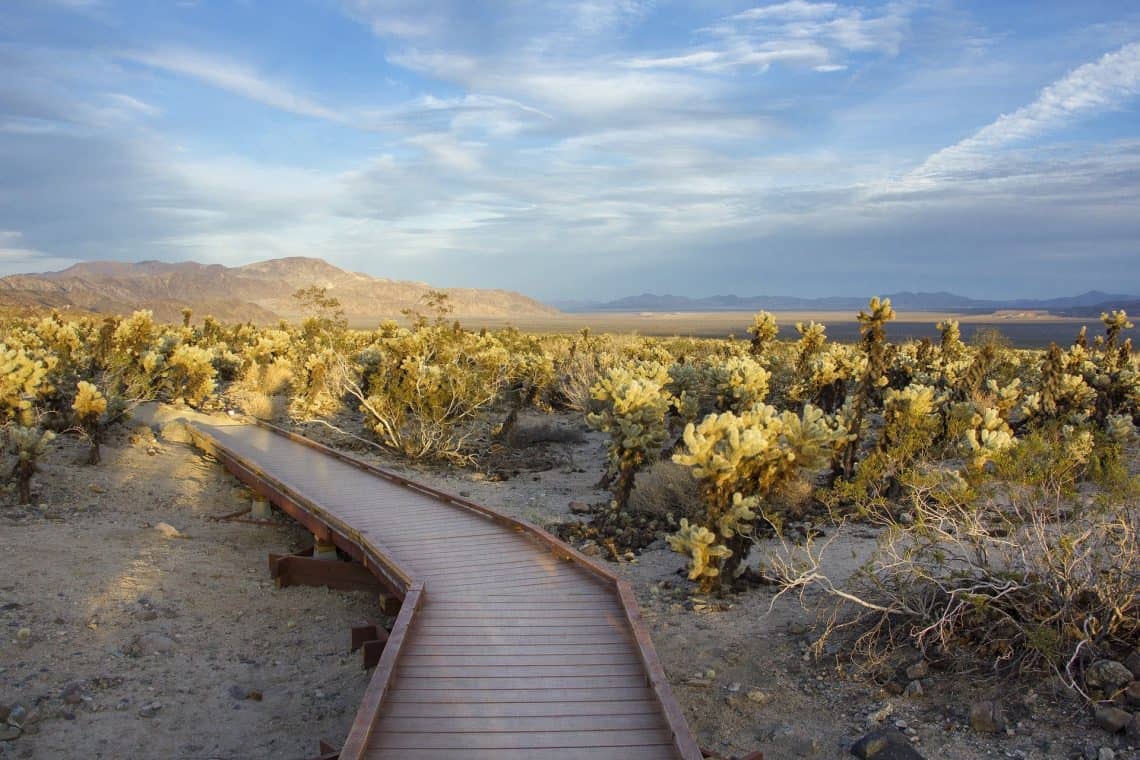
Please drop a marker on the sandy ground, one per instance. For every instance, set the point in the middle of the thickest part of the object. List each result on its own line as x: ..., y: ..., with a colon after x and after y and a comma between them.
x: 120, y: 619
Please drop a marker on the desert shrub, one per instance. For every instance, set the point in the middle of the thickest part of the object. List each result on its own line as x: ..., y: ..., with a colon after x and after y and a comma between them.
x: 666, y: 488
x: 763, y: 331
x: 739, y: 382
x: 873, y: 344
x: 190, y: 374
x: 91, y: 416
x: 1023, y: 583
x: 428, y: 387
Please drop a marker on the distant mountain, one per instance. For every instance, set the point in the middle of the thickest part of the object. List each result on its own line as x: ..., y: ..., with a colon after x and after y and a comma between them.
x: 260, y: 292
x: 1090, y: 303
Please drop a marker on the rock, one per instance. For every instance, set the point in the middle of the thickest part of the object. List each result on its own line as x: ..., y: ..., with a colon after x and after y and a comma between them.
x: 72, y: 694
x: 1132, y: 662
x: 987, y: 716
x: 169, y: 531
x: 881, y: 714
x: 1112, y: 719
x: 913, y: 689
x: 580, y: 508
x: 1107, y: 675
x: 590, y: 549
x: 146, y: 614
x: 96, y: 488
x: 1106, y: 753
x: 24, y: 634
x: 16, y: 715
x: 4, y: 710
x: 759, y: 697
x: 154, y: 643
x: 238, y: 692
x: 1132, y: 730
x: 175, y: 431
x: 918, y: 670
x: 9, y: 733
x: 150, y: 710
x: 885, y: 744
x: 1132, y: 693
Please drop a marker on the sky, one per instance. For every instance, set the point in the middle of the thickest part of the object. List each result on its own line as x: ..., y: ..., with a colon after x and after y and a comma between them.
x: 583, y: 149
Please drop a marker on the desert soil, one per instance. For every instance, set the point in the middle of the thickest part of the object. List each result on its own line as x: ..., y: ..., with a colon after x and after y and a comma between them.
x: 125, y: 643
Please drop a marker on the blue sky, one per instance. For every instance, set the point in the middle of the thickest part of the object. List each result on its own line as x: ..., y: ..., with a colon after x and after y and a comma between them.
x: 583, y: 148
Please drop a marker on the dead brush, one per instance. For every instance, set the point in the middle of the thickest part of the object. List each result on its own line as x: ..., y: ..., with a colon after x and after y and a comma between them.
x: 1024, y: 584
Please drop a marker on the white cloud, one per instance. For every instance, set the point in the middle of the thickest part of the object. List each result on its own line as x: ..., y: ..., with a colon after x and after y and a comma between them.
x: 1089, y: 89
x: 795, y: 9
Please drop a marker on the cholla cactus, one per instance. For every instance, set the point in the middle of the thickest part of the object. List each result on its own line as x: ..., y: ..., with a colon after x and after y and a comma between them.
x: 90, y: 408
x: 872, y: 328
x: 763, y: 331
x: 1119, y: 428
x: 951, y: 345
x: 23, y: 380
x: 28, y: 444
x: 740, y: 460
x: 699, y: 544
x: 191, y: 374
x: 987, y: 437
x: 635, y: 404
x: 739, y: 382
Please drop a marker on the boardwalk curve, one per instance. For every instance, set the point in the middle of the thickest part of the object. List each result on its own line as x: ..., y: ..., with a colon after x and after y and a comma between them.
x: 508, y: 644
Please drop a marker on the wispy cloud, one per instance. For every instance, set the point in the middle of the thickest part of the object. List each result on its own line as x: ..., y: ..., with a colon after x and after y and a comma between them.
x: 794, y: 33
x: 1093, y: 88
x: 236, y: 78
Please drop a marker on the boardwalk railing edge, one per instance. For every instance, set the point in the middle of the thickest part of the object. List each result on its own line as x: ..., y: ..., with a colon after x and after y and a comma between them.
x: 412, y: 590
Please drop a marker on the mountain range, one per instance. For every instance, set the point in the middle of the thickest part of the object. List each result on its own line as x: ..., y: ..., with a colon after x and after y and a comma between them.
x: 261, y: 292
x: 1085, y: 304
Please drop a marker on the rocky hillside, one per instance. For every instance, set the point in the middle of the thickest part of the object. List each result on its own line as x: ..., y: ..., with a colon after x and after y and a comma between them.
x: 260, y: 292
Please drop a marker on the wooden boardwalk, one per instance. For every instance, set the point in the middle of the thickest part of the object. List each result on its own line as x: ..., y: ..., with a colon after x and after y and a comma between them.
x: 508, y: 644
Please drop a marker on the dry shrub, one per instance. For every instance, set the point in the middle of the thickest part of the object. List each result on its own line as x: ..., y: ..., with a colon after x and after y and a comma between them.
x: 262, y: 406
x: 1025, y: 583
x: 523, y: 435
x: 666, y: 488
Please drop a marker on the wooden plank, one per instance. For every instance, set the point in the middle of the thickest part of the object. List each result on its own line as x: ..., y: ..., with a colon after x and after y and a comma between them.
x: 515, y: 724
x: 397, y: 708
x: 573, y: 670
x: 401, y: 693
x: 653, y: 752
x: 549, y: 649
x: 505, y: 660
x: 519, y: 740
x: 546, y: 683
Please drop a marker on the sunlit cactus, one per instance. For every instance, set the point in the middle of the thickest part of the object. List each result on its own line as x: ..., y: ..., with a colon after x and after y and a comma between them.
x: 23, y: 380
x: 90, y: 407
x: 740, y: 460
x: 28, y: 444
x: 739, y: 382
x: 763, y: 331
x: 634, y: 407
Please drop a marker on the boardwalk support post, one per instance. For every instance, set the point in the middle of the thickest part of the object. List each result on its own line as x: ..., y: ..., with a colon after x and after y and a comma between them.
x: 324, y: 548
x: 303, y: 569
x: 370, y: 639
x: 260, y: 508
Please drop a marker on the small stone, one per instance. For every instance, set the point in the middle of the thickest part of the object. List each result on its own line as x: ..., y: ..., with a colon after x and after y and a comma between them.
x: 169, y: 531
x: 987, y: 716
x: 24, y: 634
x: 710, y: 673
x: 10, y: 733
x: 153, y: 643
x: 238, y: 692
x: 150, y: 710
x: 759, y: 697
x: 4, y: 710
x: 885, y: 744
x: 1132, y: 693
x: 733, y: 687
x: 918, y: 670
x: 1132, y: 730
x: 16, y: 715
x: 881, y: 714
x: 580, y: 508
x: 1106, y: 753
x: 72, y: 694
x: 913, y: 689
x: 1112, y: 719
x: 1107, y: 675
x: 254, y: 695
x: 590, y: 549
x: 96, y: 488
x: 1132, y: 662
x: 146, y: 614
